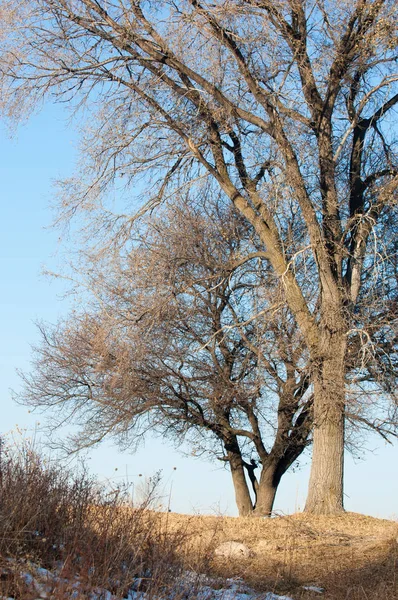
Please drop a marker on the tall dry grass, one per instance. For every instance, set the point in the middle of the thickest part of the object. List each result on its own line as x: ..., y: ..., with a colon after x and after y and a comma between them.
x: 66, y: 522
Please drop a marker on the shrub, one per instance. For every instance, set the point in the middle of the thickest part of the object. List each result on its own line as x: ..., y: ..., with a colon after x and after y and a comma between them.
x: 66, y: 521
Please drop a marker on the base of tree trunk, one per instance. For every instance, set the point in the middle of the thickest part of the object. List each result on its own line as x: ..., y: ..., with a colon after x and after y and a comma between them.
x: 325, y: 490
x: 265, y: 499
x: 319, y: 507
x: 242, y: 495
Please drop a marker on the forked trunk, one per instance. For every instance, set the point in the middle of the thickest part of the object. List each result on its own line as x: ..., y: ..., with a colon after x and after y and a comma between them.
x: 325, y: 492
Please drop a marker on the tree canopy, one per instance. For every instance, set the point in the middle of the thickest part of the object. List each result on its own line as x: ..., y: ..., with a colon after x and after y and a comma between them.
x: 186, y: 336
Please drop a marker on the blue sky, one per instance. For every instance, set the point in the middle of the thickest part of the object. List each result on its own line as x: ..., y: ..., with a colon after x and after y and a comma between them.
x: 43, y: 150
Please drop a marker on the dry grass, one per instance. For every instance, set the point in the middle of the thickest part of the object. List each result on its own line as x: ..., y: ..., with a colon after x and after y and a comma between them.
x: 76, y: 529
x: 53, y: 519
x: 351, y: 556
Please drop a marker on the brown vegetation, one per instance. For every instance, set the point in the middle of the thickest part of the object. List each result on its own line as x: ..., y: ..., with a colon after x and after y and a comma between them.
x: 82, y: 533
x: 48, y: 521
x: 350, y: 556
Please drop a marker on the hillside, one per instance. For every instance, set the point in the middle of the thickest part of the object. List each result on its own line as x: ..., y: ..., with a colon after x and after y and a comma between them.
x: 64, y: 536
x: 345, y: 555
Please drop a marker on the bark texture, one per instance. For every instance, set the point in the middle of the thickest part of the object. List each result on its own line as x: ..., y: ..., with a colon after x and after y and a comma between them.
x: 325, y: 492
x: 242, y: 494
x: 266, y: 492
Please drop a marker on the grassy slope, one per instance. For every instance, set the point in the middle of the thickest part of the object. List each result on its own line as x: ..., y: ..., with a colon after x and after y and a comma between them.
x: 50, y: 517
x: 351, y: 556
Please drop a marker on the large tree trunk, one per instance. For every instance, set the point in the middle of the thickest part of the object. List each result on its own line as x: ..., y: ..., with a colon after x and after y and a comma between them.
x: 242, y: 494
x: 325, y: 493
x: 266, y: 491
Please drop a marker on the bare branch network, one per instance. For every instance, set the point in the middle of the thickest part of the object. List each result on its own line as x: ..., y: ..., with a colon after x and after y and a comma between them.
x: 284, y: 108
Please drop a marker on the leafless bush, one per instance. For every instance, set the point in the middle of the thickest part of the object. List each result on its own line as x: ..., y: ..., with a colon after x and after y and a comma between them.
x: 72, y: 526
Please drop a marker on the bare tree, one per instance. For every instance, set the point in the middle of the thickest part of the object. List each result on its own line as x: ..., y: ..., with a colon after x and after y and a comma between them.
x: 185, y: 336
x: 269, y: 101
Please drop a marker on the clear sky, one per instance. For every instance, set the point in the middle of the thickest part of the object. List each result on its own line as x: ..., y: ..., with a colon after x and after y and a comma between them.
x: 40, y: 152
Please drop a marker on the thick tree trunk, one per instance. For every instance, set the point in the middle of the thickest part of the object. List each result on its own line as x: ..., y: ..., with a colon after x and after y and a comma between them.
x: 266, y: 491
x: 242, y: 494
x: 325, y: 492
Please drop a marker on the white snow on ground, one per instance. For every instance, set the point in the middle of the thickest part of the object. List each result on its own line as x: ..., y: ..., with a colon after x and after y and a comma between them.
x: 189, y: 586
x: 313, y: 588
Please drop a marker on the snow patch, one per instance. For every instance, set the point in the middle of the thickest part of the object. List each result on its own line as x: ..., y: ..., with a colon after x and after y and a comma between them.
x: 233, y: 549
x: 189, y: 586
